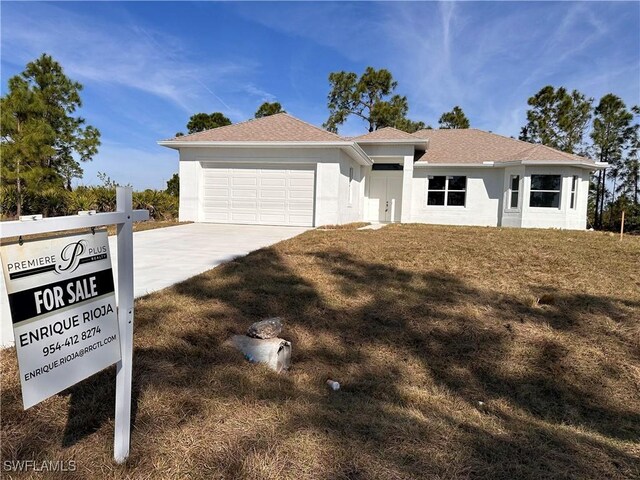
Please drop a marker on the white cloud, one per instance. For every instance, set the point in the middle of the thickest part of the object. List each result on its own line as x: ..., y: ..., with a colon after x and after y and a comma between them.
x: 119, y: 54
x: 263, y: 95
x: 488, y: 58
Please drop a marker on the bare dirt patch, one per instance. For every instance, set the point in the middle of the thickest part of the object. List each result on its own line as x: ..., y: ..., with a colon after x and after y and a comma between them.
x: 462, y: 353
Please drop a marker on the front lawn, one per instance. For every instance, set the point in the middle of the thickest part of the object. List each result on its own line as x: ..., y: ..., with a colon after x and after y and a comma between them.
x: 462, y: 353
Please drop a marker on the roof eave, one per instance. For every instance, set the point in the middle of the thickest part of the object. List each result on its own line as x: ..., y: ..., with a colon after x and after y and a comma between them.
x: 359, y: 155
x: 407, y: 141
x: 351, y: 148
x: 423, y: 164
x: 177, y: 144
x: 567, y: 163
x: 558, y: 163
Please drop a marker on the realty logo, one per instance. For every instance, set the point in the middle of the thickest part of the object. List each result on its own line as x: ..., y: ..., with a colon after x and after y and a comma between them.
x: 67, y: 261
x: 70, y: 257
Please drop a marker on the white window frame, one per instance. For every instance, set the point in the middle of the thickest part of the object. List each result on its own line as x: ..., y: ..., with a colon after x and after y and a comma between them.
x: 510, y: 192
x: 573, y: 192
x: 559, y: 191
x: 446, y: 191
x: 350, y: 186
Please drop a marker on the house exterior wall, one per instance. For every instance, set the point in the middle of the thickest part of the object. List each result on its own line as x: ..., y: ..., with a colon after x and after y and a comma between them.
x: 350, y: 204
x: 564, y: 216
x: 512, y: 217
x: 190, y: 178
x: 388, y: 150
x: 331, y: 178
x: 483, y: 198
x: 487, y: 196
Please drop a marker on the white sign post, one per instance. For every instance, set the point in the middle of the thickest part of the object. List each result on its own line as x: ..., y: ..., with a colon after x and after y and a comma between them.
x: 62, y: 304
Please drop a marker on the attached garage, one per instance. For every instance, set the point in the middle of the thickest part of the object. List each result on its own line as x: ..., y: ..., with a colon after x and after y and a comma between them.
x: 274, y: 170
x: 258, y: 194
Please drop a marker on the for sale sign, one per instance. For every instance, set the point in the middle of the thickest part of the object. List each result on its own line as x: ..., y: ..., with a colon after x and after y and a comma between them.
x: 63, y: 309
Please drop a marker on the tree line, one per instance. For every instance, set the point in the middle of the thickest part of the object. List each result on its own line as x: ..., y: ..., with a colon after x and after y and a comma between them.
x: 43, y: 142
x: 607, y: 132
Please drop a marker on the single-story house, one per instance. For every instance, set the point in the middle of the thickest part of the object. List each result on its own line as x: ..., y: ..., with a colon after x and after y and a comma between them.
x: 279, y: 170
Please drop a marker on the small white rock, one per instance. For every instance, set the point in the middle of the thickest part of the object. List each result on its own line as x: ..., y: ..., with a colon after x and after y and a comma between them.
x: 333, y: 385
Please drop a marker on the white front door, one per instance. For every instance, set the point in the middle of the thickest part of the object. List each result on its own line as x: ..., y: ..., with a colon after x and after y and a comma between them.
x: 385, y: 196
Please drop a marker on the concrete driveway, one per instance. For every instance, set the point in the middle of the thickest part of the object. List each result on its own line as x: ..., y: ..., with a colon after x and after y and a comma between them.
x: 165, y: 256
x: 169, y: 255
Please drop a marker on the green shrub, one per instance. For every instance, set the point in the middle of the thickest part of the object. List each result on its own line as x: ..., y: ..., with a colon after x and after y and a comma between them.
x: 105, y: 198
x: 50, y: 202
x: 55, y: 201
x: 82, y: 198
x: 8, y: 197
x: 161, y: 205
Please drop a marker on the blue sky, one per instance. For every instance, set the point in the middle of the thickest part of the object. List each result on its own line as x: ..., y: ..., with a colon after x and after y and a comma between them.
x: 147, y: 66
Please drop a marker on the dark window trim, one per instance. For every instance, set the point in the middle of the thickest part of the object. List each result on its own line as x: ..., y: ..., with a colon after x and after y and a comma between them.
x: 557, y: 192
x: 446, y: 191
x: 387, y: 167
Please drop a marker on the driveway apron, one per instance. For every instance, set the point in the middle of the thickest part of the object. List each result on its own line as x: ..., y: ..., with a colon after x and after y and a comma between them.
x: 165, y: 256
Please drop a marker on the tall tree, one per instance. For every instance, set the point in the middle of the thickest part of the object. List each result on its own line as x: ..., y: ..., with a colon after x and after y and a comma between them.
x: 61, y: 96
x: 42, y: 141
x: 269, y: 108
x: 410, y: 126
x: 558, y: 119
x: 173, y: 185
x: 454, y: 119
x: 206, y: 121
x: 612, y: 133
x: 27, y: 141
x: 369, y: 97
x: 631, y: 169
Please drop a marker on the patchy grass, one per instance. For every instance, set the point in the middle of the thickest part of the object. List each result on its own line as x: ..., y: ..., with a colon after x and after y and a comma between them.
x: 462, y: 353
x: 345, y: 226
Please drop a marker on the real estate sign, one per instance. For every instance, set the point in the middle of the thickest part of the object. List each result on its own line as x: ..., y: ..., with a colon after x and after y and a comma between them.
x: 63, y: 309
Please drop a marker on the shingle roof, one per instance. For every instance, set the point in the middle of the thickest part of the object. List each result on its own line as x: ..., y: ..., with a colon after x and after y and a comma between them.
x: 386, y: 133
x: 280, y: 127
x: 463, y: 146
x: 470, y: 145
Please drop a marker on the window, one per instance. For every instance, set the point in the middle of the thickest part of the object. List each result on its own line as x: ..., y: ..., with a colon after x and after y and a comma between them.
x: 447, y: 190
x: 514, y: 191
x: 545, y: 191
x: 350, y: 185
x: 574, y: 192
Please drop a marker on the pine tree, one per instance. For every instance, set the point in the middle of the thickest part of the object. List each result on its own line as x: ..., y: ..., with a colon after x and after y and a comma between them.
x: 558, y: 119
x: 369, y: 97
x: 61, y: 97
x: 454, y: 119
x: 612, y: 134
x: 42, y: 141
x: 27, y: 142
x: 206, y: 121
x: 268, y: 108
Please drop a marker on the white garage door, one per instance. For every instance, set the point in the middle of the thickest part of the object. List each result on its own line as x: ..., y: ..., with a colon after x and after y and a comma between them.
x: 262, y: 195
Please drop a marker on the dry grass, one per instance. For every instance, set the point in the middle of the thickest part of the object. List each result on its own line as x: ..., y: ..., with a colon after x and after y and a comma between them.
x: 345, y: 226
x: 462, y: 352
